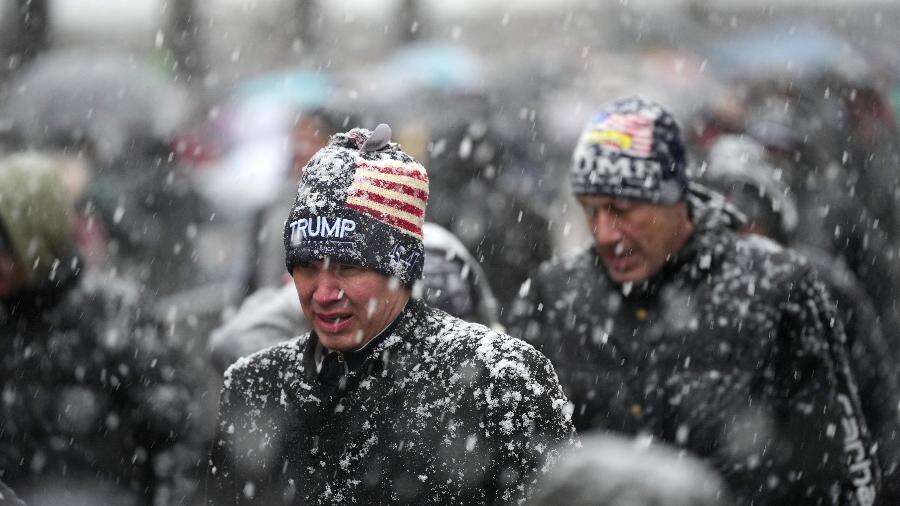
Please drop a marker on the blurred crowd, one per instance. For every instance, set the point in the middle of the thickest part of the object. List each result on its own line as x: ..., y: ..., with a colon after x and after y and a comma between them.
x: 141, y: 248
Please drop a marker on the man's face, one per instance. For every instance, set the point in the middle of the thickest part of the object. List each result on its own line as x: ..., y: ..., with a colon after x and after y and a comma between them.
x: 346, y: 305
x: 634, y: 239
x: 309, y: 135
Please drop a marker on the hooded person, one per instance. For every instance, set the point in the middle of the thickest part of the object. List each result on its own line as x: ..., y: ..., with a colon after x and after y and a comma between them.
x: 385, y: 399
x: 96, y: 407
x: 738, y: 169
x: 452, y: 281
x: 672, y: 324
x: 615, y: 471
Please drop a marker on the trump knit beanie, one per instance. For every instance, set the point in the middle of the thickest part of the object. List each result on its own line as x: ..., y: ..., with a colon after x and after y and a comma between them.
x: 631, y: 149
x: 360, y: 201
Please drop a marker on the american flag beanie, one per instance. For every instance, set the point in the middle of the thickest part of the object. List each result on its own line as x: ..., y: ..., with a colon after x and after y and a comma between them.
x: 631, y: 149
x: 360, y: 201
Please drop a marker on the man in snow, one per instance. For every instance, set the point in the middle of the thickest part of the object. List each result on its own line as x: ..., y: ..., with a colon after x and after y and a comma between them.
x: 673, y: 325
x: 386, y: 399
x: 97, y: 405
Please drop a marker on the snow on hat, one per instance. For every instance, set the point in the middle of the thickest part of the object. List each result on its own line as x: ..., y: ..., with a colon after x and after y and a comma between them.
x: 361, y: 201
x: 631, y: 149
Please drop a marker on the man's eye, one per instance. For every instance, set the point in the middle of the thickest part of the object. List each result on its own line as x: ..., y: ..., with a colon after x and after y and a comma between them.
x: 303, y: 268
x: 348, y: 270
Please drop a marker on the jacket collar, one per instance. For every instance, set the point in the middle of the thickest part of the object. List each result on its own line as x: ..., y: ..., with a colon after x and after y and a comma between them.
x: 402, y: 329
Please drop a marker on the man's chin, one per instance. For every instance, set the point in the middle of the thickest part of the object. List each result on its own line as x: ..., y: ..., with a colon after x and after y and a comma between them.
x: 344, y: 341
x: 633, y: 275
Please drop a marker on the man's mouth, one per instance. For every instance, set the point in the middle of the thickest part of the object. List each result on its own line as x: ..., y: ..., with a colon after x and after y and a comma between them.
x: 621, y: 258
x: 333, y: 322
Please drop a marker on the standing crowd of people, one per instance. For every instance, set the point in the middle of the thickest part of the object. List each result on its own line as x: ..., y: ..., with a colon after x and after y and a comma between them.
x: 725, y: 337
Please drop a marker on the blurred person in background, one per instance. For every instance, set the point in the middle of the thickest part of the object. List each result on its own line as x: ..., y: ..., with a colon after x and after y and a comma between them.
x: 476, y: 171
x: 151, y: 214
x: 386, y: 399
x: 673, y: 325
x: 451, y: 281
x: 868, y: 140
x: 831, y: 210
x: 118, y: 114
x: 737, y: 168
x: 97, y: 402
x: 310, y: 133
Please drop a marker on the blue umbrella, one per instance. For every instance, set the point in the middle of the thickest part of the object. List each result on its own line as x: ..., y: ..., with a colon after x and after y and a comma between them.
x: 298, y: 88
x: 785, y: 50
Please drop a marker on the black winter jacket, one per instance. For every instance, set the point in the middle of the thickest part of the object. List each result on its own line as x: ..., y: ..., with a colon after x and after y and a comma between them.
x: 97, y: 403
x: 731, y: 351
x: 438, y: 411
x: 872, y: 362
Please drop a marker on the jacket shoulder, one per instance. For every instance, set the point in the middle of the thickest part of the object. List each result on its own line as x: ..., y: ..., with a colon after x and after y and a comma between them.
x: 278, y: 362
x: 501, y: 354
x: 766, y: 258
x: 571, y: 262
x: 564, y: 269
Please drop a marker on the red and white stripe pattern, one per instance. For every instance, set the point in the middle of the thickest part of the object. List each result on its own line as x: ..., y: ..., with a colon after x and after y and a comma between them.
x: 635, y: 126
x: 392, y: 192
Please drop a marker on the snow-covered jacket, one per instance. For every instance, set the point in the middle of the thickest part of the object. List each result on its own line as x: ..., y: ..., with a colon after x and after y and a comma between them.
x: 436, y: 411
x: 732, y: 351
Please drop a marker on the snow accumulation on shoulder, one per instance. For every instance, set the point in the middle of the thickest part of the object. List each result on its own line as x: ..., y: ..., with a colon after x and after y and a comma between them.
x: 260, y: 360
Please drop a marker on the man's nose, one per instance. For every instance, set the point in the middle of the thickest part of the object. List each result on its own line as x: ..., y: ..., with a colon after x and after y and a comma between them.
x: 327, y: 289
x: 606, y: 229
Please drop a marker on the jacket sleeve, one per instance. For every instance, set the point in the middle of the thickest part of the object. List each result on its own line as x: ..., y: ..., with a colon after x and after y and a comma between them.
x: 221, y: 482
x: 525, y: 319
x: 820, y: 430
x: 528, y: 420
x: 246, y: 459
x: 873, y: 366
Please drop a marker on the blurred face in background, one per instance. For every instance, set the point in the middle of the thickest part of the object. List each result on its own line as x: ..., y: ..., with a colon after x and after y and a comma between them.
x: 634, y: 239
x: 347, y: 305
x: 12, y: 276
x: 308, y: 136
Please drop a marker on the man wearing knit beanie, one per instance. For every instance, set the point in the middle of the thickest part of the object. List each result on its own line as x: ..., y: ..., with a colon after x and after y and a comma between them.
x: 93, y: 379
x: 385, y: 400
x: 672, y: 324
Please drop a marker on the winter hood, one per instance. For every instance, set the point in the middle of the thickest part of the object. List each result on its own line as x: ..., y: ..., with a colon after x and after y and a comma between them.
x: 35, y: 214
